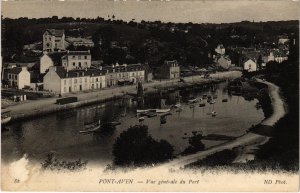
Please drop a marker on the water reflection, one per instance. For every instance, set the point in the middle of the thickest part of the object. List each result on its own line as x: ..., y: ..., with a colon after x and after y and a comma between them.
x: 60, y: 132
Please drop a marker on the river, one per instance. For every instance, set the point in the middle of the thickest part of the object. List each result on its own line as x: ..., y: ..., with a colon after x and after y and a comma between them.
x: 59, y: 133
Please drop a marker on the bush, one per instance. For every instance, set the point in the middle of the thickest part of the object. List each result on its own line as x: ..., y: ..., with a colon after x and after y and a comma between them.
x: 136, y: 147
x: 195, y: 144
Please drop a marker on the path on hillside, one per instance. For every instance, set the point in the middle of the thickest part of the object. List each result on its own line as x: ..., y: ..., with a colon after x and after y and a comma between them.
x: 248, y: 141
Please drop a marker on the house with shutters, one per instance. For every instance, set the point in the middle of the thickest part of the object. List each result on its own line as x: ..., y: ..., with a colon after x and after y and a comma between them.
x: 54, y: 40
x: 61, y: 81
x: 17, y: 77
x: 76, y: 60
x: 169, y: 70
x: 120, y: 74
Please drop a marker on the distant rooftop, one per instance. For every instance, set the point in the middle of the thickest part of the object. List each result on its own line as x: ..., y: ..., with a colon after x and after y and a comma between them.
x: 78, y: 53
x: 15, y: 70
x: 56, y: 32
x: 62, y: 73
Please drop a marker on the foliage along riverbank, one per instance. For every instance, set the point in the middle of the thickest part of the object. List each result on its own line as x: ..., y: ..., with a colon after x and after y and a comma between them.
x: 281, y: 152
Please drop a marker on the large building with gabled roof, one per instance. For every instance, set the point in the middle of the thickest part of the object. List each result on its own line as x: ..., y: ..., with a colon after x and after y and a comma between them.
x: 54, y: 40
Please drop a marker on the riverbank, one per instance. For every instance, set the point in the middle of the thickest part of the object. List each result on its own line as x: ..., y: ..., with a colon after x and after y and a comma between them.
x: 31, y: 109
x: 249, y: 142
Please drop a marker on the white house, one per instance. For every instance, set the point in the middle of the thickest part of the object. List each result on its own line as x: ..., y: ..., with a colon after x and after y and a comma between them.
x: 129, y: 73
x: 76, y: 60
x: 17, y: 77
x: 220, y: 49
x: 45, y: 63
x: 250, y: 65
x: 62, y: 81
x: 277, y: 56
x: 54, y: 40
x: 283, y: 39
x: 224, y: 62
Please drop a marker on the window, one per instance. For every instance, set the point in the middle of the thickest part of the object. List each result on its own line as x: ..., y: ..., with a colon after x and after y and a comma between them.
x: 65, y: 89
x: 96, y: 79
x: 70, y: 81
x: 65, y: 82
x: 73, y: 57
x: 85, y: 57
x: 73, y: 63
x: 85, y: 79
x: 79, y: 64
x: 75, y: 80
x: 80, y: 80
x: 79, y: 57
x: 16, y: 77
x: 9, y: 76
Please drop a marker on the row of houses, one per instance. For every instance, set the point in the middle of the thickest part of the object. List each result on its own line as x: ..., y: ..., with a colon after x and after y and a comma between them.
x: 61, y: 80
x: 63, y: 71
x: 250, y: 57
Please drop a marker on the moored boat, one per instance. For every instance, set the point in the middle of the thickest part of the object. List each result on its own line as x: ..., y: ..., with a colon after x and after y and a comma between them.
x: 5, y: 120
x: 162, y: 110
x: 212, y: 102
x: 178, y: 105
x: 201, y: 104
x: 193, y: 100
x: 5, y: 117
x: 213, y: 113
x: 91, y: 129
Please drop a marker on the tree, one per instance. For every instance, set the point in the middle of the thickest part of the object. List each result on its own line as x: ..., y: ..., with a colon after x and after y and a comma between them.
x: 136, y: 147
x: 195, y: 144
x: 259, y: 62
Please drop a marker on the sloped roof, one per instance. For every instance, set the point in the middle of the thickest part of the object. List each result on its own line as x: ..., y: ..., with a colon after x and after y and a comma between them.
x: 56, y: 32
x: 70, y: 53
x: 56, y: 57
x: 62, y: 73
x: 15, y: 70
x: 122, y: 68
x: 168, y: 63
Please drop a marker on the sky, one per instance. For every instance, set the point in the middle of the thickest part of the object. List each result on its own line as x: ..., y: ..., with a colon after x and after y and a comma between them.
x: 196, y: 11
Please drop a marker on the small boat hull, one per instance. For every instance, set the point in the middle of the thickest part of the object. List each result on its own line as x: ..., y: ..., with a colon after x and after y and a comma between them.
x: 91, y: 129
x: 202, y: 105
x: 162, y: 110
x: 5, y: 120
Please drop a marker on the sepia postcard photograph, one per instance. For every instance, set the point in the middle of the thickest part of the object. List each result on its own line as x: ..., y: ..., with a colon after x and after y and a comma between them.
x: 150, y: 95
